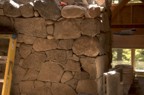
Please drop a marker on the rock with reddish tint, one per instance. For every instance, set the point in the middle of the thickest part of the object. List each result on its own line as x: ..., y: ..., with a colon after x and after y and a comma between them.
x: 46, y: 9
x: 50, y: 71
x: 73, y: 11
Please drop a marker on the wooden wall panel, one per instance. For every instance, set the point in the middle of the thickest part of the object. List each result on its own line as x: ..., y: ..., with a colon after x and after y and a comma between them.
x: 130, y: 41
x: 138, y: 14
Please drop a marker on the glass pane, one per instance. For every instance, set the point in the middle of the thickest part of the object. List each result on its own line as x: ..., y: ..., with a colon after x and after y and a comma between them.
x: 121, y: 56
x: 139, y: 59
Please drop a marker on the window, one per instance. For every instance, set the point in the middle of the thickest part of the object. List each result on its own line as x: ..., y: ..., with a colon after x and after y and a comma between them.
x: 133, y: 57
x: 121, y: 56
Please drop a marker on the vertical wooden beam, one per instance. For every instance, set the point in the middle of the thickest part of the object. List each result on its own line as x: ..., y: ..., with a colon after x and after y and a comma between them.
x: 133, y: 57
x: 118, y: 8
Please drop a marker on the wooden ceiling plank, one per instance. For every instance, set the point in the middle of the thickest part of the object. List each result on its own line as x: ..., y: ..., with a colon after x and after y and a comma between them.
x: 118, y: 8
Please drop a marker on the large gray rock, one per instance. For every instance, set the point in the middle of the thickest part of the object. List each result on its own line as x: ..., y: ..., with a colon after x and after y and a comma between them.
x: 31, y: 75
x: 11, y: 10
x: 27, y: 10
x: 65, y: 44
x: 58, y: 56
x: 87, y: 86
x: 73, y: 11
x: 26, y: 87
x: 25, y: 50
x: 34, y: 61
x: 48, y: 9
x: 50, y: 71
x: 90, y: 27
x: 88, y: 64
x: 66, y: 77
x: 67, y: 29
x: 86, y: 46
x: 72, y: 66
x: 44, y: 44
x: 62, y: 89
x: 31, y: 26
x: 18, y: 74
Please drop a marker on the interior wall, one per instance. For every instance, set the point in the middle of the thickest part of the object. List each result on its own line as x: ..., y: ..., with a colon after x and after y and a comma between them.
x: 60, y: 51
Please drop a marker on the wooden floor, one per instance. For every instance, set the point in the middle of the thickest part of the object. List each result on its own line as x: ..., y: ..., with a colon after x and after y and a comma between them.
x: 137, y: 87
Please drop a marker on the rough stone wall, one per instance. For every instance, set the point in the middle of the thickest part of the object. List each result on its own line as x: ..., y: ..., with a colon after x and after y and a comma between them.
x: 63, y: 48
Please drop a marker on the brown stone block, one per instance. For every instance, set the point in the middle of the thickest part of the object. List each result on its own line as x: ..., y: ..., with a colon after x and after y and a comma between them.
x: 44, y: 44
x: 67, y: 29
x: 51, y: 72
x: 90, y: 27
x: 86, y: 46
x: 26, y: 87
x: 62, y: 89
x: 72, y: 66
x: 27, y: 10
x: 73, y: 11
x: 58, y: 56
x: 31, y: 26
x: 25, y: 50
x: 11, y: 10
x: 87, y: 86
x: 34, y: 61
